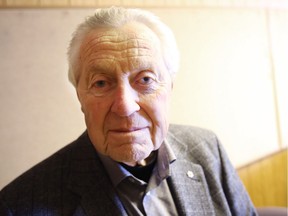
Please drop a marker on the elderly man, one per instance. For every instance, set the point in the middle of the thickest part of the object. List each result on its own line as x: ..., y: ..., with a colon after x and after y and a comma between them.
x: 122, y: 64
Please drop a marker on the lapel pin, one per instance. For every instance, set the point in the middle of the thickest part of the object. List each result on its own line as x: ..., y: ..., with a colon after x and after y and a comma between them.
x: 190, y: 174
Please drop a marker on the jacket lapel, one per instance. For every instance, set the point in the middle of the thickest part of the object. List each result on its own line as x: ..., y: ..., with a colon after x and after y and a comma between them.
x: 89, y: 180
x: 101, y: 200
x: 187, y: 183
x: 189, y: 189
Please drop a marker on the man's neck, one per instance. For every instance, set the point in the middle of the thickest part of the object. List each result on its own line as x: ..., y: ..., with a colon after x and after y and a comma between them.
x: 143, y: 170
x: 150, y: 159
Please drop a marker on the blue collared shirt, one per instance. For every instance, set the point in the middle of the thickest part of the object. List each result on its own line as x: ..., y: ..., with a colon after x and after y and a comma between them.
x: 138, y: 197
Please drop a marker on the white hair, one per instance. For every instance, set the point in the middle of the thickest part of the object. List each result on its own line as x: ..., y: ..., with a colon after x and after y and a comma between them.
x: 117, y: 17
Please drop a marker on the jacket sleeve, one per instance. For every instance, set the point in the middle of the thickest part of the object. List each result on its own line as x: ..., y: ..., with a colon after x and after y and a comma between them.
x: 4, y: 210
x: 238, y: 199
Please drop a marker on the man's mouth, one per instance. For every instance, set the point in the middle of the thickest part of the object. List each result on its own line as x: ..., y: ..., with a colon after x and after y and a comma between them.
x: 127, y: 130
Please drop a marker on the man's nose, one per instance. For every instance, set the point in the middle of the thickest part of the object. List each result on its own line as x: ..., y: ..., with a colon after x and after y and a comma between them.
x: 125, y: 101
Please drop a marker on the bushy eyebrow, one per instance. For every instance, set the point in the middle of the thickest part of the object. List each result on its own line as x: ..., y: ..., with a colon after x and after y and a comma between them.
x: 100, y: 69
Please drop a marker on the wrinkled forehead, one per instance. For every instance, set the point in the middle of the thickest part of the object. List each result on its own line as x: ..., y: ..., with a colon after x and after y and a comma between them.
x: 117, y: 35
x: 124, y: 38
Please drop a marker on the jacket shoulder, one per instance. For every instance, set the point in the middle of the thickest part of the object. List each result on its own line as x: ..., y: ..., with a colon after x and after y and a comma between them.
x: 200, y: 150
x: 45, y: 182
x: 60, y: 160
x: 191, y: 135
x: 178, y: 129
x: 194, y: 143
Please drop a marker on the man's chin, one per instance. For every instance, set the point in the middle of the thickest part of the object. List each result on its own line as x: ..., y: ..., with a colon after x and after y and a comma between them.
x: 131, y: 154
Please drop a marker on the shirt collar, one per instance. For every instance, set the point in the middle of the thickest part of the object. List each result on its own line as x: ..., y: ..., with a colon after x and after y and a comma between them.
x: 117, y: 173
x: 165, y: 157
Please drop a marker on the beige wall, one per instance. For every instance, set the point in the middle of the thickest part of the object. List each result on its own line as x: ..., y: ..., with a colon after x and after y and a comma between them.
x: 232, y: 80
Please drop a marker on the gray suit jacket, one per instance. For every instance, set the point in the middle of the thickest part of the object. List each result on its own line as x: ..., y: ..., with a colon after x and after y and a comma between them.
x: 73, y: 181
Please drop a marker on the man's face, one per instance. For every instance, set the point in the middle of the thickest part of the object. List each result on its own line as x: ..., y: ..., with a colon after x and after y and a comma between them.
x: 124, y: 89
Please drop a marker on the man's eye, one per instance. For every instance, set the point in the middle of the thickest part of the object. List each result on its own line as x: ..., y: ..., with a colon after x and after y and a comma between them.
x: 100, y: 87
x: 100, y: 84
x: 147, y: 83
x: 146, y: 80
